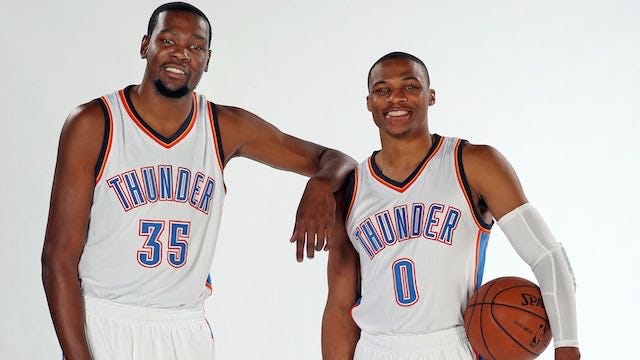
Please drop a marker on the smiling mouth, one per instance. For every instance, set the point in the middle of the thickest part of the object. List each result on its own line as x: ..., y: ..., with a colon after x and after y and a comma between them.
x: 397, y: 114
x: 174, y: 70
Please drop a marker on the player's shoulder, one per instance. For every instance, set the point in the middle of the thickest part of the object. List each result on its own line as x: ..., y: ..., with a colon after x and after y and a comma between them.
x: 484, y: 163
x: 86, y: 124
x: 480, y: 154
x: 232, y: 114
x: 87, y: 118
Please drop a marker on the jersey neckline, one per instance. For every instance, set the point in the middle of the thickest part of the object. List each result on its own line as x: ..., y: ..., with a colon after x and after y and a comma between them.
x: 402, y: 186
x: 167, y: 142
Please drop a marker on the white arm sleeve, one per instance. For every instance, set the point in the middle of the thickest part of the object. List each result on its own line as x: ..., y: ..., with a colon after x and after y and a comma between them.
x: 531, y: 238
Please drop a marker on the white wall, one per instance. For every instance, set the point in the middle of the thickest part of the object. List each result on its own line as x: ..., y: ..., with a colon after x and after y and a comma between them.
x: 553, y: 85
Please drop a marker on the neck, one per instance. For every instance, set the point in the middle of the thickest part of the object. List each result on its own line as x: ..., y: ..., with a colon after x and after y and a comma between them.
x: 399, y: 150
x: 147, y: 96
x: 400, y: 156
x: 163, y: 114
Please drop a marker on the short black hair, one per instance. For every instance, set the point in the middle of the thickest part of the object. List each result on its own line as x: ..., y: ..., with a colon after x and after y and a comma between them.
x: 400, y: 55
x: 178, y: 6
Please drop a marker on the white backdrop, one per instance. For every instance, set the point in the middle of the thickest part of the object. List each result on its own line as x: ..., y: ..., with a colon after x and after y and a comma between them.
x: 553, y: 85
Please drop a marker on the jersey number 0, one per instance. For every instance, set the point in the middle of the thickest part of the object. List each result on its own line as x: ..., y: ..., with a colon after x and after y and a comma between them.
x: 404, y: 281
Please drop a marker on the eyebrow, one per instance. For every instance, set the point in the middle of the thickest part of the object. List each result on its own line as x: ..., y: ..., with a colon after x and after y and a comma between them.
x: 173, y: 32
x: 403, y: 79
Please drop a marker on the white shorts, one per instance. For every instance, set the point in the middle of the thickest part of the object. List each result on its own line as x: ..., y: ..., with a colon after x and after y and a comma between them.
x: 123, y: 332
x: 450, y: 344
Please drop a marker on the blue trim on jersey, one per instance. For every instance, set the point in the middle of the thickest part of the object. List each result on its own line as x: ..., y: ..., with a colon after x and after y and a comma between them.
x: 484, y: 241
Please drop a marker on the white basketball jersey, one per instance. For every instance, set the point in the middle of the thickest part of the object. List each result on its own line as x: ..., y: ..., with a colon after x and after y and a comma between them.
x: 156, y: 209
x: 421, y: 244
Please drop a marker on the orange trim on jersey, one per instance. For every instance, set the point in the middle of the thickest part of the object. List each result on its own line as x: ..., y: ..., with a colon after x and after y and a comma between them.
x: 135, y: 119
x: 108, y: 149
x: 464, y: 192
x: 215, y: 137
x: 353, y: 195
x: 408, y: 185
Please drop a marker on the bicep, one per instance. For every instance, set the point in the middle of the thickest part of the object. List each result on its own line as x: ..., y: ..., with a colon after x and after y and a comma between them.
x: 73, y: 183
x: 249, y: 136
x: 495, y: 180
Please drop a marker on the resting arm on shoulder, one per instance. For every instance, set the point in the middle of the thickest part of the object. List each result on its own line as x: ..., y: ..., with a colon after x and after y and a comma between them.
x: 245, y: 134
x: 71, y: 198
x: 339, y: 332
x: 494, y: 181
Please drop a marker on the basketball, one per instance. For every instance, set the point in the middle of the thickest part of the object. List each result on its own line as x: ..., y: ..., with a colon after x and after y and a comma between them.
x: 505, y: 320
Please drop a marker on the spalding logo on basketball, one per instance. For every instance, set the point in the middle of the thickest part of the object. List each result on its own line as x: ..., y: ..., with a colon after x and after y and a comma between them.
x: 506, y: 320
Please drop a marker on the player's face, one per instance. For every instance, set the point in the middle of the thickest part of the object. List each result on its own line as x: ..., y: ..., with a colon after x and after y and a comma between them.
x: 177, y: 52
x: 399, y: 97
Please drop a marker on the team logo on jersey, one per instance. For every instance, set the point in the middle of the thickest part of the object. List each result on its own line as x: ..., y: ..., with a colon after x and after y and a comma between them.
x: 436, y: 222
x: 145, y: 185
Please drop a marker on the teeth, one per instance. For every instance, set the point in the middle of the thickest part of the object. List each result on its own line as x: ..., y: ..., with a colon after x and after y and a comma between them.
x: 397, y: 113
x: 174, y: 70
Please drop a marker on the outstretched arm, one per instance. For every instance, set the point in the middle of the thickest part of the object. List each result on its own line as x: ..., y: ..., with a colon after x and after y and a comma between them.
x: 71, y: 198
x: 245, y: 134
x: 495, y: 182
x: 339, y: 332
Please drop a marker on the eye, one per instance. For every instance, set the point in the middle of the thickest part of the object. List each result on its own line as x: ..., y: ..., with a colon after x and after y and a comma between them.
x: 381, y: 91
x: 411, y: 87
x: 166, y: 42
x: 196, y: 47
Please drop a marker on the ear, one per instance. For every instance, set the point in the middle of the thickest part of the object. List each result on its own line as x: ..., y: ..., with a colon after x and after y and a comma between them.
x: 206, y: 67
x: 144, y: 46
x: 368, y: 103
x: 432, y: 97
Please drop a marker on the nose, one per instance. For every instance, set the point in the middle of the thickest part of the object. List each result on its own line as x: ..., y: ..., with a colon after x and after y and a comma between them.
x: 396, y: 96
x: 181, y: 54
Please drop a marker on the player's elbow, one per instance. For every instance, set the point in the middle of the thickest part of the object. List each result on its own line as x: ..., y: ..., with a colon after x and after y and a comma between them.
x: 55, y: 265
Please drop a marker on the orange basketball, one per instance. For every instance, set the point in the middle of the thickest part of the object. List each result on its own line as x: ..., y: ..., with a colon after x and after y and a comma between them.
x: 506, y: 319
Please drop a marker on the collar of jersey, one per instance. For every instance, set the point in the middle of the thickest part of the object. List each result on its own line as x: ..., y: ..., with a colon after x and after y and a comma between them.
x: 406, y: 183
x: 167, y: 142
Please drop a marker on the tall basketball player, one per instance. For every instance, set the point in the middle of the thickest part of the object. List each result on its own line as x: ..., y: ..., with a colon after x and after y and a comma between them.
x: 417, y: 216
x: 137, y: 197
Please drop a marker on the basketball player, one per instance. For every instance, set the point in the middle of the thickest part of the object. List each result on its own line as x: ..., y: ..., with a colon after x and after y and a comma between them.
x: 137, y: 197
x: 417, y: 216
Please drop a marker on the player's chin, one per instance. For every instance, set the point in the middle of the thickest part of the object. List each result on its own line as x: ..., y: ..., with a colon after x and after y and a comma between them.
x: 397, y: 132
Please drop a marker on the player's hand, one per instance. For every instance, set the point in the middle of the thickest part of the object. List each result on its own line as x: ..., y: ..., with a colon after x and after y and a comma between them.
x: 314, y: 219
x: 567, y: 353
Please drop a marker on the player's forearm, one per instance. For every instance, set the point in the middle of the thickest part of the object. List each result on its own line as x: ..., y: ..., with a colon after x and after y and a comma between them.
x: 62, y: 288
x: 339, y: 335
x: 334, y: 167
x: 533, y: 241
x: 558, y: 294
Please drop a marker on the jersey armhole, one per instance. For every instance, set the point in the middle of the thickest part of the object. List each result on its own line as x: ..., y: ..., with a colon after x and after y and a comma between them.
x: 213, y: 112
x: 351, y: 187
x: 466, y: 188
x: 106, y: 139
